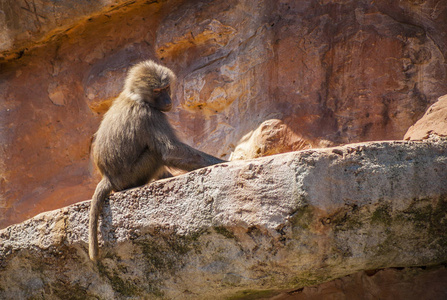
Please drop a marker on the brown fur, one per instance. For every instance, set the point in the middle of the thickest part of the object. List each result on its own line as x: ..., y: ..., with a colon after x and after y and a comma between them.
x: 135, y: 142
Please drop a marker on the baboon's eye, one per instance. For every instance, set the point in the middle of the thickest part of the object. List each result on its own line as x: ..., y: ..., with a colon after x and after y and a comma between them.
x: 159, y: 90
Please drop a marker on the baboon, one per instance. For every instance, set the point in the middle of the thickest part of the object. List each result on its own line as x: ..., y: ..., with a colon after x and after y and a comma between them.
x: 135, y: 142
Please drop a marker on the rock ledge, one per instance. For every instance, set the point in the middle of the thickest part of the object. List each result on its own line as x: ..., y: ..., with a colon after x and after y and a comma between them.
x: 279, y: 222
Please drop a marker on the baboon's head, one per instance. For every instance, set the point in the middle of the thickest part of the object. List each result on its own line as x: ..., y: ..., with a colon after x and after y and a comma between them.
x: 150, y: 82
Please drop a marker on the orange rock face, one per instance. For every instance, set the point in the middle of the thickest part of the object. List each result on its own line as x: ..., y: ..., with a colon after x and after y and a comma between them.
x: 331, y: 72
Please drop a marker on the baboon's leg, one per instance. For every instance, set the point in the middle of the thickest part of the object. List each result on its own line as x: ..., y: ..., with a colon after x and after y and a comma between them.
x: 164, y: 173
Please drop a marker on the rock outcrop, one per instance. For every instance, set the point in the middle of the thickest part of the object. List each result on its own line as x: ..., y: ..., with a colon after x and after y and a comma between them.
x: 271, y: 137
x: 333, y: 72
x: 255, y: 227
x: 434, y: 122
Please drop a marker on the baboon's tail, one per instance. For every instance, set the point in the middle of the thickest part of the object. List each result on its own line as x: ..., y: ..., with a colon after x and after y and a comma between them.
x: 103, y: 189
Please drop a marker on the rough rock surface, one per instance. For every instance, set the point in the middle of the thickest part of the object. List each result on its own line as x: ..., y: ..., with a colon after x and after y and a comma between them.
x: 332, y: 71
x: 433, y: 122
x: 246, y: 227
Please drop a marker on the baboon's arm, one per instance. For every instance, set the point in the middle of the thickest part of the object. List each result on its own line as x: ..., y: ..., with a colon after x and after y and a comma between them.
x: 186, y: 158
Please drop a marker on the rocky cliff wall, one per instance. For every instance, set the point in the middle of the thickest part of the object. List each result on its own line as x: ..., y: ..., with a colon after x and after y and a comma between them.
x: 321, y: 73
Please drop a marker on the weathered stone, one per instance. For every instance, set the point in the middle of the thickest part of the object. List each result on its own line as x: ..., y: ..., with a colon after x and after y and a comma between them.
x: 433, y: 122
x: 280, y: 222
